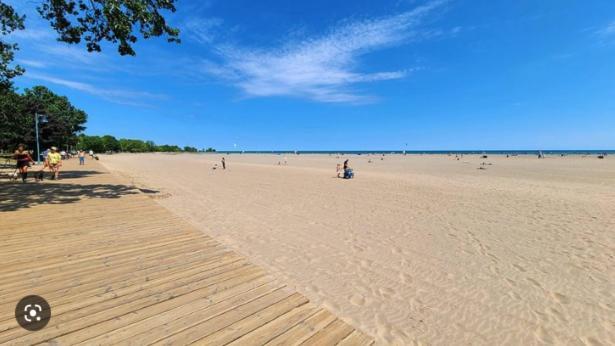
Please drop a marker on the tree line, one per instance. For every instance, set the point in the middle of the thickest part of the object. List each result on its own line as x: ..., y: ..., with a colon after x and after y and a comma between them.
x: 108, y: 143
x: 61, y: 125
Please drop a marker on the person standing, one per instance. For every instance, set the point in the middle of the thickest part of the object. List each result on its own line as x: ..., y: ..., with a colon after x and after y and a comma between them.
x: 223, y: 163
x: 23, y: 161
x: 54, y: 160
x: 81, y: 157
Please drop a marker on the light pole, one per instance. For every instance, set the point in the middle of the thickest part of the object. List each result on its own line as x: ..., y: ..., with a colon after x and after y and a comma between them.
x: 43, y: 119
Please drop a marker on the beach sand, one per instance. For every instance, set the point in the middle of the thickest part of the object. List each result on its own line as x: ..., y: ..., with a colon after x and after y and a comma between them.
x: 416, y: 249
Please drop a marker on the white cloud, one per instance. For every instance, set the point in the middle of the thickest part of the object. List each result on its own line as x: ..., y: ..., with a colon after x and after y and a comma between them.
x: 323, y: 68
x: 124, y: 97
x: 32, y: 63
x: 202, y: 30
x: 607, y: 31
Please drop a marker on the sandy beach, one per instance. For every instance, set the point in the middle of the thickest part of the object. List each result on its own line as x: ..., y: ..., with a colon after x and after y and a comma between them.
x: 416, y: 249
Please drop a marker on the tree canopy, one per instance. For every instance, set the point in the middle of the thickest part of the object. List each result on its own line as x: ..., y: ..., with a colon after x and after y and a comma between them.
x: 17, y: 120
x: 119, y: 22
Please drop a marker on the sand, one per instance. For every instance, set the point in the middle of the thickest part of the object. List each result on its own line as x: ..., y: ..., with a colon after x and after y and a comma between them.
x: 416, y: 249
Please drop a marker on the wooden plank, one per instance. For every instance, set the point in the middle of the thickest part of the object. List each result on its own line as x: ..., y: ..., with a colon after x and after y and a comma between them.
x: 330, y: 335
x: 143, y: 331
x: 265, y: 333
x: 356, y: 338
x: 304, y: 330
x: 95, y: 315
x: 208, y: 325
x: 248, y: 324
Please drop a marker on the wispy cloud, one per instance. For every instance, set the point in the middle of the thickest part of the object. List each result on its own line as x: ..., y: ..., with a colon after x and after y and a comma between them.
x: 202, y: 30
x: 324, y: 68
x: 607, y: 32
x: 120, y: 96
x: 32, y: 63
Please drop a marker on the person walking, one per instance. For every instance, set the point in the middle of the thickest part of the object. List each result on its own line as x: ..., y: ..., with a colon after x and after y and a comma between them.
x: 223, y: 163
x: 54, y: 160
x: 23, y: 159
x: 81, y: 157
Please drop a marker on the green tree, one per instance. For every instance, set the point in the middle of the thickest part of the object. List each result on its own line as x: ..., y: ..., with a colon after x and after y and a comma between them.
x: 94, y: 143
x: 92, y: 21
x: 189, y: 149
x: 17, y: 119
x: 14, y: 122
x: 110, y: 143
x: 64, y: 120
x: 9, y: 22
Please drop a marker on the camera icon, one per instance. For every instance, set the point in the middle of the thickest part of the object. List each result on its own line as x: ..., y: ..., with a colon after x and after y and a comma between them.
x: 32, y: 313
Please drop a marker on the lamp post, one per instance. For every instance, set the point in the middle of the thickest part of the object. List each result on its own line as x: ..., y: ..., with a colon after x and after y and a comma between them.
x: 42, y: 118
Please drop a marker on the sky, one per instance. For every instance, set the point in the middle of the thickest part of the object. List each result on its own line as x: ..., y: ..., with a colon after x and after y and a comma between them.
x: 348, y: 75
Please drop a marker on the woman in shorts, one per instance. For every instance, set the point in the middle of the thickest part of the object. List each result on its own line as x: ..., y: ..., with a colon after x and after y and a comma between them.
x: 23, y: 161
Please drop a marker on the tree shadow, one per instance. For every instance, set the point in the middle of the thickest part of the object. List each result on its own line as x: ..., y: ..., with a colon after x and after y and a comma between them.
x: 15, y: 196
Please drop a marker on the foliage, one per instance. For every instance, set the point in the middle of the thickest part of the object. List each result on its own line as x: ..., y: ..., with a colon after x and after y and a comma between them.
x: 9, y: 22
x: 93, y: 21
x: 17, y: 122
x: 190, y: 149
x: 111, y: 144
x: 210, y: 150
x: 108, y: 20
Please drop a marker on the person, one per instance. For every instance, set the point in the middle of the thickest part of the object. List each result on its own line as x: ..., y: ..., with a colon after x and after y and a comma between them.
x: 348, y: 172
x: 339, y: 171
x: 91, y: 153
x: 54, y: 160
x: 23, y: 161
x: 223, y: 163
x: 81, y: 157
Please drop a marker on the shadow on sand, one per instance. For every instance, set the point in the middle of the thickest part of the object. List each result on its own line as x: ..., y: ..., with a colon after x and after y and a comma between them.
x: 16, y: 195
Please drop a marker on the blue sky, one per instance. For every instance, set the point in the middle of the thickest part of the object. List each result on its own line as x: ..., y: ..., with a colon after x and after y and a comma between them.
x: 328, y: 75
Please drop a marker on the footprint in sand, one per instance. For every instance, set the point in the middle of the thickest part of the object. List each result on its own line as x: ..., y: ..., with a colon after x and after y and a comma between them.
x: 405, y: 278
x: 560, y: 298
x: 519, y: 268
x: 357, y: 300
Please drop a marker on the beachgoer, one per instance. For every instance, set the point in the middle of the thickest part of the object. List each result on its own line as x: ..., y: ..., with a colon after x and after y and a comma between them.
x: 81, y: 157
x: 23, y: 161
x: 348, y: 172
x: 54, y: 160
x: 223, y: 163
x: 339, y: 171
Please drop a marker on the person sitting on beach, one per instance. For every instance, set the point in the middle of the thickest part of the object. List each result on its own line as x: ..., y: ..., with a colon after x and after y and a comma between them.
x: 23, y: 161
x: 348, y: 172
x: 54, y: 160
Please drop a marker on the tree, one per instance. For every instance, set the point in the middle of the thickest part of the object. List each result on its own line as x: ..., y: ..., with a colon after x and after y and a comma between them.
x: 110, y: 143
x: 9, y: 22
x: 17, y: 118
x: 93, y: 143
x: 189, y: 149
x: 93, y: 21
x: 63, y: 119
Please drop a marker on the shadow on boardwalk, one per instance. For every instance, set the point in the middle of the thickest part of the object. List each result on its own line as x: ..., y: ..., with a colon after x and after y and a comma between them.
x: 15, y: 196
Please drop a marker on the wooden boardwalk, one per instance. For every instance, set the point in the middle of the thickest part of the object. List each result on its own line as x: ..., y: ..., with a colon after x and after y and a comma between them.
x: 118, y: 268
